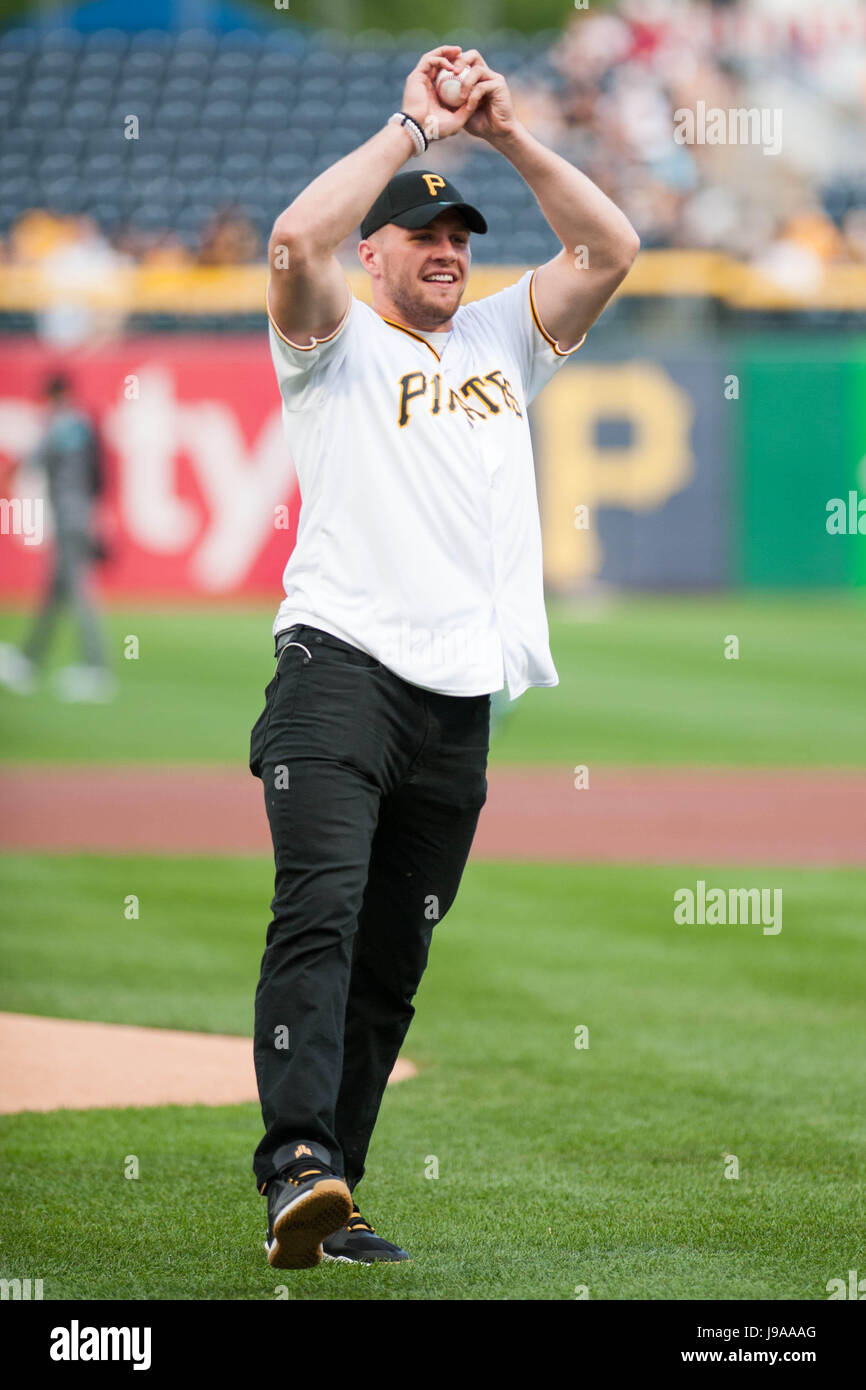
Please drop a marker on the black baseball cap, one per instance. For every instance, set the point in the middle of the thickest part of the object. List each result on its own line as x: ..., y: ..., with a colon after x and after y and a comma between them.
x: 414, y: 199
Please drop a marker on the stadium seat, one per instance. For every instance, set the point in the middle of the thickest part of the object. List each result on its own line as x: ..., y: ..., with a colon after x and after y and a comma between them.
x: 145, y: 62
x: 22, y: 42
x: 242, y: 117
x: 187, y: 63
x: 177, y: 113
x: 222, y: 114
x: 111, y: 41
x: 148, y: 41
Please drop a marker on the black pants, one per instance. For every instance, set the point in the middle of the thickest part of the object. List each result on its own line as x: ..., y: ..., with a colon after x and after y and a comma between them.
x: 373, y: 788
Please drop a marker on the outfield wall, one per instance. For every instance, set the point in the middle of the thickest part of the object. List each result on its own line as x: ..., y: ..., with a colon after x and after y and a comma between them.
x: 663, y: 463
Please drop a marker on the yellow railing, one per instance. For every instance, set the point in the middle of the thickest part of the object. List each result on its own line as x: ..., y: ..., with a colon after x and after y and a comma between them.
x: 240, y: 289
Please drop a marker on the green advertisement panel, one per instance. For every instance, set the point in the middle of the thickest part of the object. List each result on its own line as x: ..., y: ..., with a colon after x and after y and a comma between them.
x: 802, y: 442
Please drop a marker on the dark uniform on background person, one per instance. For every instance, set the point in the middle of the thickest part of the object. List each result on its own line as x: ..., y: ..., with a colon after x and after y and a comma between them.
x: 68, y: 455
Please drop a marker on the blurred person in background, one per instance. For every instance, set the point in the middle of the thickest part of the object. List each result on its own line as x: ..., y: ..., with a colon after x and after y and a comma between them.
x: 68, y: 455
x: 229, y: 238
x: 82, y: 278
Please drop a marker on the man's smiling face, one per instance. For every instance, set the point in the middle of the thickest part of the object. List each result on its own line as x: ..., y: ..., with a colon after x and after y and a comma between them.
x: 420, y: 272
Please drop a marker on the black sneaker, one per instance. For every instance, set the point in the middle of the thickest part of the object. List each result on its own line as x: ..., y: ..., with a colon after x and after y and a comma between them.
x: 307, y: 1201
x: 357, y: 1243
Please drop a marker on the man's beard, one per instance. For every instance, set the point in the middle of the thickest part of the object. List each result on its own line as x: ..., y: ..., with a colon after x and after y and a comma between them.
x: 418, y: 310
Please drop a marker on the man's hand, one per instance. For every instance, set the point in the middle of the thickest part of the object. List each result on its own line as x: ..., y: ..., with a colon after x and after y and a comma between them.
x: 421, y: 100
x: 489, y: 108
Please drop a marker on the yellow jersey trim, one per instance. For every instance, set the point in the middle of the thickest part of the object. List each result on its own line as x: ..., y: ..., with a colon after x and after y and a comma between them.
x: 419, y: 337
x: 308, y: 347
x: 560, y: 352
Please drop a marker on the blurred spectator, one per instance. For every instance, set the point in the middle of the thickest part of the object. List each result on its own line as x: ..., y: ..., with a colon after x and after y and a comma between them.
x: 76, y: 265
x: 229, y: 239
x: 805, y: 244
x: 854, y: 233
x: 607, y: 94
x: 625, y: 74
x: 163, y: 248
x: 69, y: 458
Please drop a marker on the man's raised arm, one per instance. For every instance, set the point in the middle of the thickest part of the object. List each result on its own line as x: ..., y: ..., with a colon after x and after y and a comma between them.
x: 307, y: 293
x: 572, y: 289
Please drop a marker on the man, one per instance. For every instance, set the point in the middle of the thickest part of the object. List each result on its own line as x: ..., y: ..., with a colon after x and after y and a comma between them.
x: 69, y: 457
x: 413, y: 592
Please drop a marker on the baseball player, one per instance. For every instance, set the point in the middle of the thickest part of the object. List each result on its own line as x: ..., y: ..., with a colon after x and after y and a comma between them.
x: 413, y: 592
x: 69, y: 456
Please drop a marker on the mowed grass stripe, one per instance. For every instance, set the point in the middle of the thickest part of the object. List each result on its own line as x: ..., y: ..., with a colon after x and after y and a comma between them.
x: 642, y: 680
x: 557, y: 1166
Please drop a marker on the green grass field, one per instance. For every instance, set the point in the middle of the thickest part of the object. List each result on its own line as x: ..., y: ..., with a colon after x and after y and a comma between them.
x: 558, y: 1167
x: 642, y: 681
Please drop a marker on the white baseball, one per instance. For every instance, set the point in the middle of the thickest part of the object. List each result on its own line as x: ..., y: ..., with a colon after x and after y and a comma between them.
x: 450, y: 89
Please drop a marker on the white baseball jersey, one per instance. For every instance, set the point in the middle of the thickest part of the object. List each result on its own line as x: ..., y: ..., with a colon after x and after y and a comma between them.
x: 419, y: 537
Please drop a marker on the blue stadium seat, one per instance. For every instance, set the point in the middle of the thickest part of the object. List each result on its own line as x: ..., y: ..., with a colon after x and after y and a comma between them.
x: 148, y: 41
x: 181, y: 63
x: 38, y: 113
x: 254, y: 143
x: 22, y: 191
x: 233, y: 64
x: 62, y: 62
x: 268, y: 114
x: 21, y: 140
x: 152, y: 216
x: 196, y: 140
x: 65, y: 141
x: 98, y: 85
x: 111, y: 41
x: 166, y: 190
x: 241, y: 41
x: 24, y: 43
x: 13, y: 163
x: 318, y: 114
x: 86, y: 114
x: 147, y: 164
x: 287, y: 164
x: 177, y: 113
x: 228, y: 85
x: 194, y: 164
x: 215, y: 190
x: 243, y: 118
x: 193, y: 216
x: 106, y: 164
x: 62, y: 40
x: 221, y: 114
x: 145, y: 63
x: 14, y: 67
x: 100, y: 60
x: 272, y: 87
x: 195, y: 41
x: 108, y: 214
x: 65, y: 193
x: 323, y: 63
x: 52, y: 166
x: 136, y: 91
